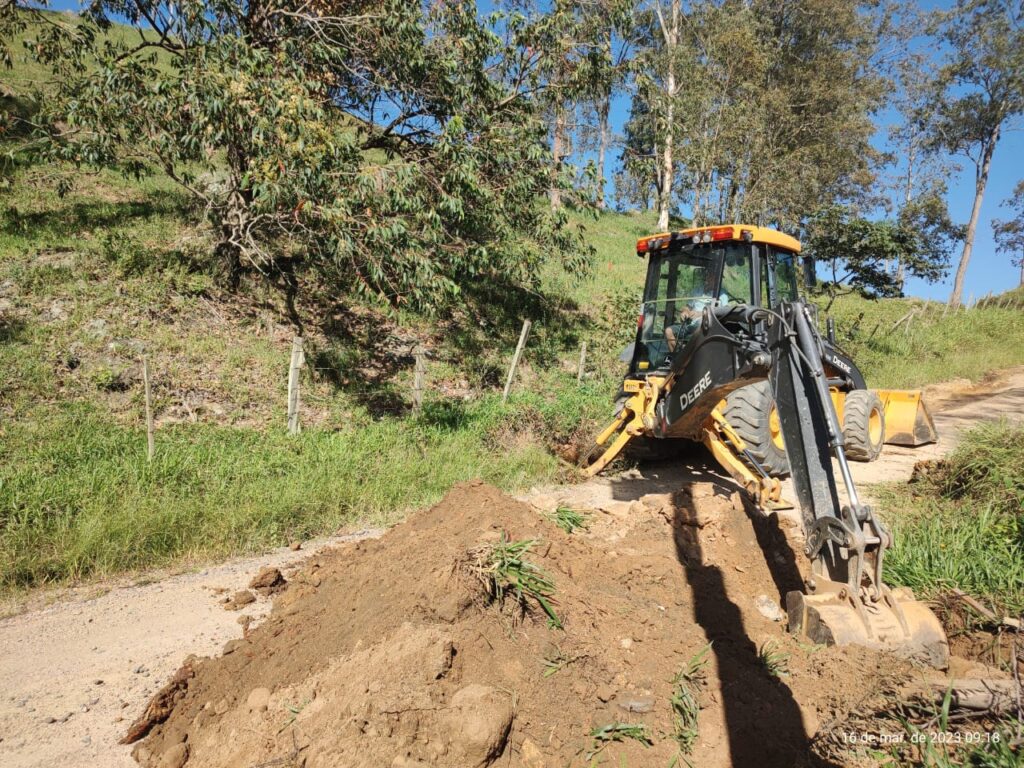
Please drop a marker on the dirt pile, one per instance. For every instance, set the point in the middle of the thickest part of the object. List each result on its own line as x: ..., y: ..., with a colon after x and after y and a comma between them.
x: 387, y: 653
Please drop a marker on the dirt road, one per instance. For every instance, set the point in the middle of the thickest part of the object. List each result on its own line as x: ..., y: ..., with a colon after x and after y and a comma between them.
x: 76, y: 672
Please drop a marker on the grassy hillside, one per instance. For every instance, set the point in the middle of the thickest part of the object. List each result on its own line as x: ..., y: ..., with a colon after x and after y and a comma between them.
x: 116, y: 270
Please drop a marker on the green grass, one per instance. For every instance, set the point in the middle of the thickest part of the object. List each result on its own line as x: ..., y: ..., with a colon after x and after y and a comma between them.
x: 963, y: 526
x: 938, y: 345
x: 569, y: 520
x: 774, y: 660
x: 684, y: 704
x: 506, y: 573
x: 604, y: 735
x: 78, y: 498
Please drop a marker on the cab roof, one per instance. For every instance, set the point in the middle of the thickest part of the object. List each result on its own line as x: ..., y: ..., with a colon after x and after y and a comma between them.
x: 743, y: 232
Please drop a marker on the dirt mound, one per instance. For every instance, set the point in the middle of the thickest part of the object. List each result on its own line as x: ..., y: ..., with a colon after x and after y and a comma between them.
x: 389, y: 653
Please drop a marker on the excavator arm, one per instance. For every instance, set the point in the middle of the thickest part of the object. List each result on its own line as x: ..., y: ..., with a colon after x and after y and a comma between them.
x: 847, y: 600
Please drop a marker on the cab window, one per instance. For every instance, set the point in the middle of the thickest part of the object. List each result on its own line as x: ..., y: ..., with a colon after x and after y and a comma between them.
x: 785, y: 275
x: 736, y: 277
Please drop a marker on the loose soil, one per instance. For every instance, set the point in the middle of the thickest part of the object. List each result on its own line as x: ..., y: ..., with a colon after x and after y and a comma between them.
x: 387, y: 651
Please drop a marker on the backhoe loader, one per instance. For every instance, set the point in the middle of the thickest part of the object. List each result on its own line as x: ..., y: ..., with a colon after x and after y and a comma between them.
x: 727, y: 354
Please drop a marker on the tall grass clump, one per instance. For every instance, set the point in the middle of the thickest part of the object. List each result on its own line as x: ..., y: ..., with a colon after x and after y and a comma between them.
x: 962, y: 524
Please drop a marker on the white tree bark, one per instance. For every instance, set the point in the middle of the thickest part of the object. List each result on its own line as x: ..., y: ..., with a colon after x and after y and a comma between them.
x: 981, y: 181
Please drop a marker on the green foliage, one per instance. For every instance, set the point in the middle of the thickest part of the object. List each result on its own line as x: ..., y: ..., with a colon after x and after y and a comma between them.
x: 397, y: 152
x: 859, y: 252
x: 963, y: 525
x: 570, y: 520
x: 685, y: 707
x: 505, y: 572
x: 768, y: 110
x: 978, y: 94
x: 938, y: 345
x: 774, y: 660
x: 1009, y: 234
x: 617, y: 732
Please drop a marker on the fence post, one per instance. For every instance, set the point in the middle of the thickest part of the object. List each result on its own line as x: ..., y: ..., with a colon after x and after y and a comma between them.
x: 298, y: 357
x: 150, y: 439
x: 419, y: 374
x: 515, y: 359
x: 583, y: 362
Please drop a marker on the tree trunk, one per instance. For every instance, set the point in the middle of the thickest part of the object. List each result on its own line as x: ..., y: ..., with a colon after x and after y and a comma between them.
x: 665, y: 193
x: 557, y: 139
x: 602, y: 147
x: 981, y: 180
x: 671, y: 36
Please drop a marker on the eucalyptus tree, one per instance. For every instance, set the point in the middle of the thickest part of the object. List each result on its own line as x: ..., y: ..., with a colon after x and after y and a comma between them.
x: 397, y: 150
x: 979, y: 95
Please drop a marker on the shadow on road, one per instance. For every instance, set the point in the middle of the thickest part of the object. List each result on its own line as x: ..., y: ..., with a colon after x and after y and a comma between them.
x: 764, y: 723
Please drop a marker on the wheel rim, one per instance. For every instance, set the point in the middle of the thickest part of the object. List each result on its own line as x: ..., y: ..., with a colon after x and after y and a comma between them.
x: 775, y: 428
x: 875, y: 427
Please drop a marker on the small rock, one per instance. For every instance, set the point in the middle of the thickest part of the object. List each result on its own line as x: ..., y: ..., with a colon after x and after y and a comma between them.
x: 259, y: 700
x: 96, y: 328
x: 626, y: 643
x: 175, y: 757
x: 221, y: 707
x: 87, y: 740
x: 637, y: 703
x: 605, y: 693
x: 295, y: 546
x: 139, y: 669
x: 769, y: 608
x: 479, y: 722
x: 530, y: 755
x: 268, y: 581
x: 97, y: 681
x: 241, y: 598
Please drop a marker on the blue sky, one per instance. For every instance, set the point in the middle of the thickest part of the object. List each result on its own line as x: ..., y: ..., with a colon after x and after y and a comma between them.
x: 988, y: 271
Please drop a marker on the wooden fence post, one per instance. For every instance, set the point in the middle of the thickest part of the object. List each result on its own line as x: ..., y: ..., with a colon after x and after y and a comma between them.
x: 150, y: 439
x: 583, y: 362
x: 298, y: 357
x: 515, y: 359
x: 419, y: 374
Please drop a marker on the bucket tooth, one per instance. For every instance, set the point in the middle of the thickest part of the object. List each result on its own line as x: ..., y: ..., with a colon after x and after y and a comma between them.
x: 831, y: 618
x: 907, y: 420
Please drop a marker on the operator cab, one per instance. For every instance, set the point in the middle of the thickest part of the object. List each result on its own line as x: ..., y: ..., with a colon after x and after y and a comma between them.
x: 695, y: 269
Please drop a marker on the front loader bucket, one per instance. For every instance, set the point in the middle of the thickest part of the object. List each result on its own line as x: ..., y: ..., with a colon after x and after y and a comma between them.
x: 907, y: 420
x: 897, y: 623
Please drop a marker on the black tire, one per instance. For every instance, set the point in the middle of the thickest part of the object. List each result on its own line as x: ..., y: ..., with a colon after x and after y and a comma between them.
x: 863, y: 425
x: 748, y: 411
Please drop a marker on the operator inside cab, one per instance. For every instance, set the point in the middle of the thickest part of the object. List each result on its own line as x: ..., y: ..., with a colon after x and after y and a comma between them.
x: 688, y: 276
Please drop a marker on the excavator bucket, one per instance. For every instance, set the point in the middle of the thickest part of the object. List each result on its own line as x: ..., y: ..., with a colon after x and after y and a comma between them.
x: 896, y: 623
x: 907, y: 420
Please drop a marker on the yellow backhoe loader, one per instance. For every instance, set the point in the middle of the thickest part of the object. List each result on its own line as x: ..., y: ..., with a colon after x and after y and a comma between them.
x: 727, y: 354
